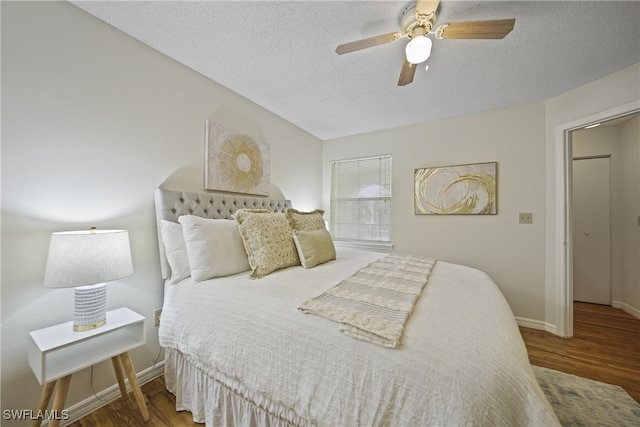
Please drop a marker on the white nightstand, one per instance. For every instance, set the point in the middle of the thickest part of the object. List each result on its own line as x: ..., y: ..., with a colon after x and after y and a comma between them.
x: 56, y: 352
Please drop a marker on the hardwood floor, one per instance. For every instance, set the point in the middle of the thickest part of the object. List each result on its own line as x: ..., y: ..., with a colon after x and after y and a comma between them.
x: 125, y: 412
x: 605, y: 347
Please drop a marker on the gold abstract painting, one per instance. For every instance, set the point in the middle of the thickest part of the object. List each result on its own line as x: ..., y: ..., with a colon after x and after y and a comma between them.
x: 456, y: 190
x: 236, y: 162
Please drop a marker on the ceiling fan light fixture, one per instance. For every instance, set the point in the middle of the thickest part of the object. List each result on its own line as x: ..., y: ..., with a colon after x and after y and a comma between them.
x: 418, y: 49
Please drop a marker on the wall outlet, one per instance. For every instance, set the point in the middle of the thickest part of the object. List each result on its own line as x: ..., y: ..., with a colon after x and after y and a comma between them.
x: 156, y: 317
x: 525, y: 218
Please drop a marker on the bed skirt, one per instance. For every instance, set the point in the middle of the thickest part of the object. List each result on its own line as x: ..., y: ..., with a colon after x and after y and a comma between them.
x: 214, y: 404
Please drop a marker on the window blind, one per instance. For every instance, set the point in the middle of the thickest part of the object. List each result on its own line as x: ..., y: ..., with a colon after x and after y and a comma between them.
x: 360, y: 201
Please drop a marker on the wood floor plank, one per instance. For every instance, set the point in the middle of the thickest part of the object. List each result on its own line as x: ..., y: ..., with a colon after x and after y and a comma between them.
x: 605, y: 347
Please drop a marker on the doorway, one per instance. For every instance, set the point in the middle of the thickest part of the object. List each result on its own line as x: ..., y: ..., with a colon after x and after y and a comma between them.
x: 563, y: 209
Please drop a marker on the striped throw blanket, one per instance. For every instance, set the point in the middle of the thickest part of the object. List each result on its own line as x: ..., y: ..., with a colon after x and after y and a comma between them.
x: 375, y: 303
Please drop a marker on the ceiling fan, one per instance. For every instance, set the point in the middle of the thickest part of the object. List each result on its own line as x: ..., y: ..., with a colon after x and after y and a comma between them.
x: 416, y: 23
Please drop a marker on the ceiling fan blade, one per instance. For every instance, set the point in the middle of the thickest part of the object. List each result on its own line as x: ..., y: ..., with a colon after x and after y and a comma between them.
x: 426, y: 8
x: 495, y: 29
x: 406, y: 73
x: 369, y: 42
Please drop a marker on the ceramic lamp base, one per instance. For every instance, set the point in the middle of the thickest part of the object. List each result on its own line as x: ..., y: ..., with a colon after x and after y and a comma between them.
x: 90, y: 308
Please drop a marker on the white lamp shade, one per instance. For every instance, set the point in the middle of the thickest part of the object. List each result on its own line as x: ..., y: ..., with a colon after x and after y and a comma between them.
x: 418, y: 49
x: 78, y: 258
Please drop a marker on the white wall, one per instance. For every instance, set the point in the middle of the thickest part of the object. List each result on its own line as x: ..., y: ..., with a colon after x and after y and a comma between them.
x: 512, y: 254
x: 92, y: 122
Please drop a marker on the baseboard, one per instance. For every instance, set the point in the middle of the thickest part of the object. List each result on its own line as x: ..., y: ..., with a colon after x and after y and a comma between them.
x: 93, y: 403
x: 530, y: 323
x: 544, y: 326
x: 536, y: 324
x: 552, y: 329
x: 626, y: 308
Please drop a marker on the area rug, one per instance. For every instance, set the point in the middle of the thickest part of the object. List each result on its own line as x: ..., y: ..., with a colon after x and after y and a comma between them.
x: 583, y: 402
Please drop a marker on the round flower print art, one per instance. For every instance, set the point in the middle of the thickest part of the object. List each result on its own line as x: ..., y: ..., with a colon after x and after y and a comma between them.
x: 240, y: 162
x: 236, y: 162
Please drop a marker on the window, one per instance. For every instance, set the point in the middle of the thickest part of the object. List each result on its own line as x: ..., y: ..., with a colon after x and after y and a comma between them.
x: 361, y: 199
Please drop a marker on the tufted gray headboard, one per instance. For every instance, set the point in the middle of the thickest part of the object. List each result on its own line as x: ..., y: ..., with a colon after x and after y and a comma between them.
x: 170, y: 204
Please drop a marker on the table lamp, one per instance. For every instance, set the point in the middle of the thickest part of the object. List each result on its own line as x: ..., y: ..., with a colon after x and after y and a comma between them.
x: 86, y: 260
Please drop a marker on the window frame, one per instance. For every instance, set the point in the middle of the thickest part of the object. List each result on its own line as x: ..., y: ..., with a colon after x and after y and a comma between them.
x: 365, y: 204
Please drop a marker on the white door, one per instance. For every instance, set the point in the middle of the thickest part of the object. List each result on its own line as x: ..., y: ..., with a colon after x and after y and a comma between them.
x: 592, y: 230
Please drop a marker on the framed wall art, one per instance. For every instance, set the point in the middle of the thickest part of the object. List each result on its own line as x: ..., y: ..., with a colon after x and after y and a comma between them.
x: 236, y: 162
x: 456, y: 190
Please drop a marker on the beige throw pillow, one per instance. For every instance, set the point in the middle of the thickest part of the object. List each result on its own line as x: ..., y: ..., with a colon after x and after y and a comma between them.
x: 305, y: 221
x: 268, y: 240
x: 314, y: 247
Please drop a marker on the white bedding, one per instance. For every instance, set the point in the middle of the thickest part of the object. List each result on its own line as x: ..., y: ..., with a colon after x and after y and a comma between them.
x: 461, y: 360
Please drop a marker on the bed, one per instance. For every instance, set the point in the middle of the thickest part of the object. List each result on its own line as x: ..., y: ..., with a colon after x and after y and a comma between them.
x: 239, y: 351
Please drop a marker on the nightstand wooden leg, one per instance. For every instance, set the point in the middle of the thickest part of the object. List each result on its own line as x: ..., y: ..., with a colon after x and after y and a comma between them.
x: 59, y: 398
x: 45, y: 396
x: 117, y: 367
x: 133, y: 381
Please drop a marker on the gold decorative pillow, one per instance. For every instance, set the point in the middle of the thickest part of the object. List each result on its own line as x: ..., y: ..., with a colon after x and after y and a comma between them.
x: 268, y: 240
x: 305, y: 221
x: 314, y: 247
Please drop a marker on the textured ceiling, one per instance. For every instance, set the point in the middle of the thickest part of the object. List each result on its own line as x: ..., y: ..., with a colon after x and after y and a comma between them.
x: 281, y: 55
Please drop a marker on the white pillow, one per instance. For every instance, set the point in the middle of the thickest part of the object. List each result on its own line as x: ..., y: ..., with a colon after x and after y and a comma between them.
x: 214, y: 247
x: 175, y: 249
